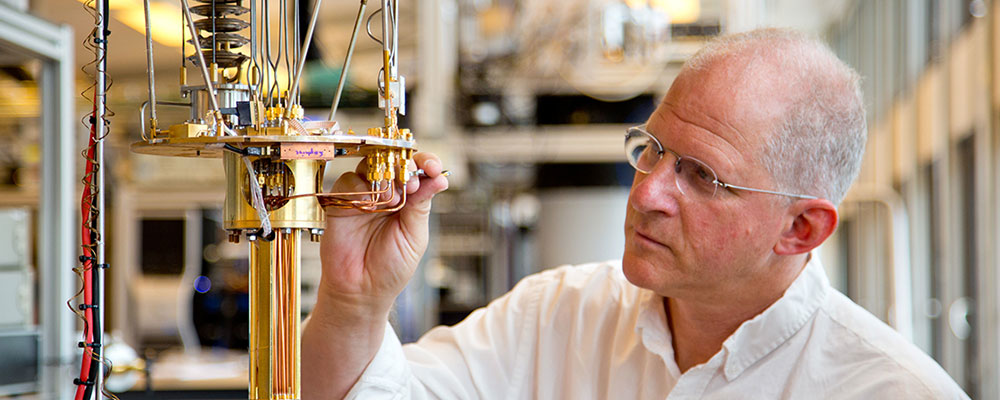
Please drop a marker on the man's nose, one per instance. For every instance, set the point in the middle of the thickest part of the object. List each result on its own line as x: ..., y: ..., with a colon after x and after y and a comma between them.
x: 655, y: 191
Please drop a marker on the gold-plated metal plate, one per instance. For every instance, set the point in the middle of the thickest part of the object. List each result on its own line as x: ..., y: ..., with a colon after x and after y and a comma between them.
x: 212, y: 146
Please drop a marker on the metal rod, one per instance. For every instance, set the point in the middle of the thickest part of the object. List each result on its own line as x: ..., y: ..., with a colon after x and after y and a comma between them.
x: 347, y: 61
x: 183, y: 40
x: 294, y: 90
x: 386, y: 65
x: 272, y: 69
x: 200, y: 58
x: 253, y: 50
x: 395, y: 38
x: 101, y: 132
x: 149, y: 69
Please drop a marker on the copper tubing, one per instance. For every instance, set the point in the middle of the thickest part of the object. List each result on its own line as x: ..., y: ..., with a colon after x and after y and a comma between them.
x: 337, y: 200
x: 275, y: 317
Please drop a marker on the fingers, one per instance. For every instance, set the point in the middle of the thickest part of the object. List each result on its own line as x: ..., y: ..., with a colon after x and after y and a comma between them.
x: 348, y: 182
x: 418, y: 201
x: 429, y: 162
x: 432, y: 169
x: 419, y: 189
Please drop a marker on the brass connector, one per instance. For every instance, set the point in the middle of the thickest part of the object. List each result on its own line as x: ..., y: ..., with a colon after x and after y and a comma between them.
x: 275, y: 112
x: 296, y: 112
x: 220, y: 124
x: 214, y: 69
x: 152, y: 128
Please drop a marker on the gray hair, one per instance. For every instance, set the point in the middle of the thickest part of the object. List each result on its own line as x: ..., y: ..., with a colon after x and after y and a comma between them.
x: 817, y: 145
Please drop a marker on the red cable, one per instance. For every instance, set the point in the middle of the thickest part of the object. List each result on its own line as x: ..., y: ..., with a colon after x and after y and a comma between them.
x: 88, y: 263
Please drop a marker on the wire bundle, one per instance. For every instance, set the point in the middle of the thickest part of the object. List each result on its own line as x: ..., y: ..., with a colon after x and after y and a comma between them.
x: 90, y: 235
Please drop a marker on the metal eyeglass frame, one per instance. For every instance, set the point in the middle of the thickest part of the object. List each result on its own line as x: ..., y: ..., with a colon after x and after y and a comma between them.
x: 715, y: 180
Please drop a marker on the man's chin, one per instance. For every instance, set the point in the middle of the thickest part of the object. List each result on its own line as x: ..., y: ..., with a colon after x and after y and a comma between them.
x: 639, y: 271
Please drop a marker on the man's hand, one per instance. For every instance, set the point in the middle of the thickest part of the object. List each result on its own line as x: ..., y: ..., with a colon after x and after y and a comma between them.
x: 369, y: 257
x: 367, y: 260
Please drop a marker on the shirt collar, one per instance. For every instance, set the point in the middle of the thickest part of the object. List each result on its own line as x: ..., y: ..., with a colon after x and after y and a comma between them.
x: 652, y: 329
x: 762, y: 334
x: 756, y: 337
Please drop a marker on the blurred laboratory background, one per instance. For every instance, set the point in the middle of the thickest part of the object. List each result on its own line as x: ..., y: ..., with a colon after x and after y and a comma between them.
x: 526, y: 102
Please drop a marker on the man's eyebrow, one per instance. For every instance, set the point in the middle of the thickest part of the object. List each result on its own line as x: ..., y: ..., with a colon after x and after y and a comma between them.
x: 718, y: 159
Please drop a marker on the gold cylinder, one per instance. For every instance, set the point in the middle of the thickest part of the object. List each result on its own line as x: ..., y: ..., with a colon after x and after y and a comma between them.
x: 275, y: 349
x: 298, y: 176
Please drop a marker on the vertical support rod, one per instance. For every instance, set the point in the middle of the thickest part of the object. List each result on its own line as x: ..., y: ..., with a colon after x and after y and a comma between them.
x: 386, y: 66
x: 102, y: 132
x: 151, y: 81
x: 252, y: 65
x: 347, y: 61
x: 294, y: 90
x: 395, y: 39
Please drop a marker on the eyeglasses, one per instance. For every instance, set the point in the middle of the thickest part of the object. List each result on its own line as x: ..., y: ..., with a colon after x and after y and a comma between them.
x: 692, y: 177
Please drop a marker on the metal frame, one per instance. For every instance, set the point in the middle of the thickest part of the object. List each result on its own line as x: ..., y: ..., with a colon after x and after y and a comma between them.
x: 53, y: 45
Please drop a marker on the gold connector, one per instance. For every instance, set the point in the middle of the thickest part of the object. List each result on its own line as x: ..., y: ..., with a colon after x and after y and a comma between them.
x: 214, y: 68
x: 184, y: 76
x: 152, y: 128
x: 296, y: 112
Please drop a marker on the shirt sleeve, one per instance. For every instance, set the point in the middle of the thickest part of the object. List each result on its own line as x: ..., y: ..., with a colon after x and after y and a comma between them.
x: 486, y: 356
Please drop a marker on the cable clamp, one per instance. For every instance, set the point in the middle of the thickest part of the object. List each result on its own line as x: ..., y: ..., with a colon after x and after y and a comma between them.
x: 84, y: 259
x: 86, y: 306
x: 104, y: 266
x: 78, y: 382
x: 91, y: 345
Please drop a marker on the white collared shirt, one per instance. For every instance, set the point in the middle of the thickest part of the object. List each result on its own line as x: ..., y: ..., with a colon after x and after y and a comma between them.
x: 585, y: 332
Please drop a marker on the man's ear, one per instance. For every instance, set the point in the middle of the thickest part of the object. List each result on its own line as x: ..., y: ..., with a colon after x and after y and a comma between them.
x: 813, y: 221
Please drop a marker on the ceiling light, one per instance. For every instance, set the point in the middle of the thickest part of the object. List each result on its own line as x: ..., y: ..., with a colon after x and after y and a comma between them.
x: 164, y: 19
x: 679, y: 11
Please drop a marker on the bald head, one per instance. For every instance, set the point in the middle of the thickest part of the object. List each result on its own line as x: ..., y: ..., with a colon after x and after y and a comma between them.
x: 818, y: 130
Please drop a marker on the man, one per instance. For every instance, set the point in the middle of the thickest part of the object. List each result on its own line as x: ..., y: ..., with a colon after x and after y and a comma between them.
x: 717, y: 295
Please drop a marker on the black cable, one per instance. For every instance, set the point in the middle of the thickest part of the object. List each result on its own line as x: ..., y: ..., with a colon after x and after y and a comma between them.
x: 235, y: 149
